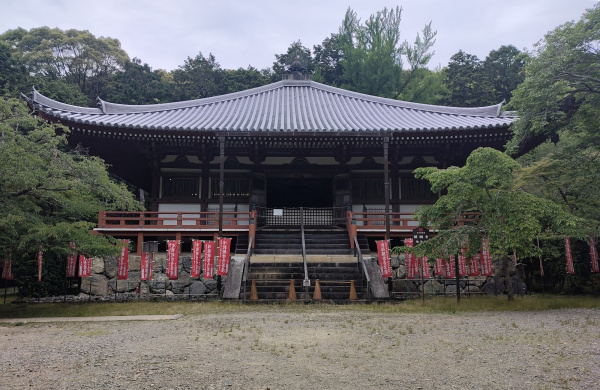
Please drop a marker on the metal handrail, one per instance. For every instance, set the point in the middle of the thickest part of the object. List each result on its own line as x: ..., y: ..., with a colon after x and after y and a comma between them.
x: 247, y: 267
x: 304, y: 250
x: 364, y: 267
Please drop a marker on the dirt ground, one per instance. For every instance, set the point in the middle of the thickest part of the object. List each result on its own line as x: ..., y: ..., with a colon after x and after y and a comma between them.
x: 332, y: 347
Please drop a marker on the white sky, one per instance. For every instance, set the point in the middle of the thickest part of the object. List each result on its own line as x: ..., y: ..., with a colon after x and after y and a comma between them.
x: 164, y: 33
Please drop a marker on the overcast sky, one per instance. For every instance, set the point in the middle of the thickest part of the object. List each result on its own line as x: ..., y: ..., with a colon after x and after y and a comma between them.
x: 241, y: 33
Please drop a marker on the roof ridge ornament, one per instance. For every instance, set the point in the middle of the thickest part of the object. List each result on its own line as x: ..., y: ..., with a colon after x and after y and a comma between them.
x: 296, y: 72
x: 100, y: 104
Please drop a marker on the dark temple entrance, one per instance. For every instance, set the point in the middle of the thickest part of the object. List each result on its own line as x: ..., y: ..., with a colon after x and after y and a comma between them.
x: 299, y: 192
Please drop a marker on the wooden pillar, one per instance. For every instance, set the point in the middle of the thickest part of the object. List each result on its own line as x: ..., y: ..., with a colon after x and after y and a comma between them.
x: 140, y: 240
x: 221, y: 181
x: 386, y: 185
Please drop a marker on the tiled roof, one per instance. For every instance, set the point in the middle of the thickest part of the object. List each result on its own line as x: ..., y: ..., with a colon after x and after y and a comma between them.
x: 288, y: 105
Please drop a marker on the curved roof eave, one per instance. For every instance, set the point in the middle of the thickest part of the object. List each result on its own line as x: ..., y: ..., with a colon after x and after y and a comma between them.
x: 291, y: 105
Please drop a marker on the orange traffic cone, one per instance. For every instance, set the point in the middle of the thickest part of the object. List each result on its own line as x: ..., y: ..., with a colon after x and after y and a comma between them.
x: 353, y: 296
x: 292, y: 295
x: 253, y: 293
x: 317, y: 292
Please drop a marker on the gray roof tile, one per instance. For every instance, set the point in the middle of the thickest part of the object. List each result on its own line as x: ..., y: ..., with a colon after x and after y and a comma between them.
x: 288, y: 105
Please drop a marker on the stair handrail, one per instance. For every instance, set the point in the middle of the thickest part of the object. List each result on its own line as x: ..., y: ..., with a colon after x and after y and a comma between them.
x: 362, y: 263
x: 247, y: 267
x: 306, y: 279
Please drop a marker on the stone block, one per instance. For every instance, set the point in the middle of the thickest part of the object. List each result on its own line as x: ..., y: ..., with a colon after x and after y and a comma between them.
x: 97, y: 285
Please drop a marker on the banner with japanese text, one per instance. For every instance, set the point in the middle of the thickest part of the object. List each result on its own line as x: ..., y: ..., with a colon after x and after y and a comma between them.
x: 39, y: 261
x: 412, y: 266
x: 462, y: 263
x: 594, y: 254
x: 425, y: 264
x: 383, y: 252
x: 172, y: 259
x: 449, y: 268
x: 570, y: 267
x: 473, y: 266
x: 146, y: 265
x: 196, y: 258
x: 486, y: 258
x: 7, y: 270
x: 85, y: 266
x: 209, y: 259
x: 72, y: 261
x: 223, y: 260
x: 438, y: 267
x: 123, y: 264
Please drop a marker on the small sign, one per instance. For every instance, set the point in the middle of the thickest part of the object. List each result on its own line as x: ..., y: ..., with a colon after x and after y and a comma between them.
x: 278, y: 212
x: 306, y: 283
x: 420, y: 234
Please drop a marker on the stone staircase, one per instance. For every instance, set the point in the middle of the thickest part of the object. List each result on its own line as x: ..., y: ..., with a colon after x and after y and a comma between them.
x: 277, y: 259
x: 272, y: 280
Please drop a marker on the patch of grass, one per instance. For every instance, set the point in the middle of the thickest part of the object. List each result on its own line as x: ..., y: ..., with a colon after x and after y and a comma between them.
x: 431, y: 306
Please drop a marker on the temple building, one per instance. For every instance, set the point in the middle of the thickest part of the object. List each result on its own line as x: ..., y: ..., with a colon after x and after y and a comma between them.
x: 277, y: 156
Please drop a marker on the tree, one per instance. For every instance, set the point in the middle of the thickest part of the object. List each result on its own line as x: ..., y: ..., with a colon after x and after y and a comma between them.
x: 504, y: 69
x: 424, y: 86
x: 482, y: 198
x: 198, y: 77
x: 295, y: 52
x: 73, y: 55
x: 139, y: 84
x: 473, y: 83
x: 373, y: 53
x: 242, y: 79
x: 328, y: 61
x: 50, y: 194
x: 561, y: 90
x: 558, y: 105
x: 466, y: 82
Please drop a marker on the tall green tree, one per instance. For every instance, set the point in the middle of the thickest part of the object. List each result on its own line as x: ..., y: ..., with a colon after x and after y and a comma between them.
x: 373, y: 52
x: 50, y: 194
x: 472, y: 82
x: 76, y: 56
x: 328, y: 58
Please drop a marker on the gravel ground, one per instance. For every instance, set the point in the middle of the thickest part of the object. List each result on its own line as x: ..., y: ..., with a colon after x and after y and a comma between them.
x: 317, y: 348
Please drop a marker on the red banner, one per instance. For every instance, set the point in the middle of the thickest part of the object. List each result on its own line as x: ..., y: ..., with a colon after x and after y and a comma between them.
x: 173, y: 260
x: 425, y: 265
x: 412, y: 266
x: 85, y: 266
x: 473, y: 266
x: 486, y: 258
x: 462, y: 263
x: 223, y: 260
x: 594, y: 254
x: 438, y: 267
x: 196, y: 258
x: 7, y: 270
x: 144, y: 265
x: 383, y: 252
x: 72, y: 261
x: 449, y: 268
x: 123, y: 264
x: 144, y: 270
x: 570, y: 267
x: 39, y: 260
x: 541, y: 267
x: 209, y: 259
